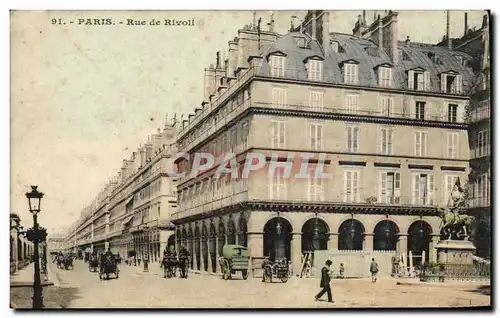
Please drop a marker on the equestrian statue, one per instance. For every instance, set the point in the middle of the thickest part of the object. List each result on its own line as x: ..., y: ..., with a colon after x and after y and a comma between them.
x: 453, y: 224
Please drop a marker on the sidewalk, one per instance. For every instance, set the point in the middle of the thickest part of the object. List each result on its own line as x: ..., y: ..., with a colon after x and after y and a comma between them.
x: 25, y: 277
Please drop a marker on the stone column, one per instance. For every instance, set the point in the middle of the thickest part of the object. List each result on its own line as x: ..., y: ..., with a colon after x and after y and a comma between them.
x: 402, y: 245
x: 195, y: 257
x: 217, y: 265
x: 209, y: 255
x: 333, y: 241
x: 432, y: 248
x: 368, y: 242
x: 256, y: 250
x: 202, y: 259
x: 296, y: 246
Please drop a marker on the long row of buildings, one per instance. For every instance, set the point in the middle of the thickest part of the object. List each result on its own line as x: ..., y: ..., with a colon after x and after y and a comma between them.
x: 393, y: 122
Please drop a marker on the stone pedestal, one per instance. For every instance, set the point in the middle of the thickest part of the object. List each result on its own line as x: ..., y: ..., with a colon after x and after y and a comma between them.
x: 455, y: 252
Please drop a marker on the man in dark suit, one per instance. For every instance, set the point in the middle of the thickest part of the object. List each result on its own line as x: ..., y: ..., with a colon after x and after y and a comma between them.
x: 325, y: 282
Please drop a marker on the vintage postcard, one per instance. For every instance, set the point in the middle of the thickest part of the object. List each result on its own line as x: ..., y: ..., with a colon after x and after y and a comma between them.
x: 250, y: 159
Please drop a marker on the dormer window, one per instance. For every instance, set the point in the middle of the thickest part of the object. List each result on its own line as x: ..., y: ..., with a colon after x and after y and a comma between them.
x: 351, y: 72
x: 418, y: 80
x: 314, y: 70
x: 336, y: 47
x: 385, y: 76
x: 451, y: 82
x: 277, y: 65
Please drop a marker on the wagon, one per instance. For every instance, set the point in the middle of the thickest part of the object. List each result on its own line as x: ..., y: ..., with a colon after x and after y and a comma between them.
x: 108, y: 266
x: 234, y: 258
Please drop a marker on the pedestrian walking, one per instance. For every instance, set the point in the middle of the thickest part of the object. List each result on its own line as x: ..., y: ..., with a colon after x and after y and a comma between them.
x: 325, y: 282
x: 146, y: 263
x: 374, y: 270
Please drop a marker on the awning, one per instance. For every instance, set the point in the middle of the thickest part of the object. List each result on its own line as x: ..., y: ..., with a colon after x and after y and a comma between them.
x: 127, y: 220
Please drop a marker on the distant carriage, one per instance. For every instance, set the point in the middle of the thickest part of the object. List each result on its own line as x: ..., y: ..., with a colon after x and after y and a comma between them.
x: 107, y: 266
x: 277, y: 270
x: 169, y: 264
x: 93, y: 263
x: 234, y: 258
x: 68, y: 262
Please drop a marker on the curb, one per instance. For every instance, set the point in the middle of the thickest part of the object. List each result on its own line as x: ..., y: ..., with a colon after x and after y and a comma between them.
x: 443, y: 284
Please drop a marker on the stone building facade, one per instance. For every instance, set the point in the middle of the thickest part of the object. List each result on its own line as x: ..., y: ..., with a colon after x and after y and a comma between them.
x: 21, y: 249
x: 131, y: 215
x: 476, y: 43
x: 385, y: 118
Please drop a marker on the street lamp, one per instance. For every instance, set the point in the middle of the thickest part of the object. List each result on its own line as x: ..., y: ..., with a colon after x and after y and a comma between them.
x: 279, y: 227
x: 36, y: 235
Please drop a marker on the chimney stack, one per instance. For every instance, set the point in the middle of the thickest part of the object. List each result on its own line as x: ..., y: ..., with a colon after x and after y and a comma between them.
x: 466, y: 26
x: 448, y: 28
x: 407, y: 41
x: 313, y: 24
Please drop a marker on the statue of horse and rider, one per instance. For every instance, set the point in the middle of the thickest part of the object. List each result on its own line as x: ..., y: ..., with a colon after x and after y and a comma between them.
x: 453, y: 224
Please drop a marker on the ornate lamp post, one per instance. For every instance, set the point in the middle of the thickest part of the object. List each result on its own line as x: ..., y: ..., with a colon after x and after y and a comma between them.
x: 36, y: 235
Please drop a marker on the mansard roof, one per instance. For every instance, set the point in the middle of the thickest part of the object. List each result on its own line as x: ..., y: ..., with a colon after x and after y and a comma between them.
x: 369, y: 56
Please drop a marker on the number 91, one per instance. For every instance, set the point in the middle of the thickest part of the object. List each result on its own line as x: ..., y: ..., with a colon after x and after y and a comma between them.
x: 56, y: 21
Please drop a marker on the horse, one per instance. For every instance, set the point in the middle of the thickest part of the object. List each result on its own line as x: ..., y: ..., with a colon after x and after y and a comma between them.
x: 450, y: 220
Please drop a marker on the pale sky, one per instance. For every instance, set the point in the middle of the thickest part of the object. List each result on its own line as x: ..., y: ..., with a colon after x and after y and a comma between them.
x: 84, y: 97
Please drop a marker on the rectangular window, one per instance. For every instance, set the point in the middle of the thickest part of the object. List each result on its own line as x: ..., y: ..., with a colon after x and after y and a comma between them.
x: 279, y: 96
x: 386, y: 141
x: 390, y: 188
x: 315, y: 70
x: 385, y: 76
x: 449, y: 183
x: 423, y: 189
x: 277, y: 190
x: 420, y: 143
x: 483, y: 146
x: 352, y: 138
x: 316, y: 136
x: 482, y: 195
x: 418, y: 80
x: 317, y: 101
x: 350, y: 73
x: 244, y: 134
x: 315, y: 185
x: 451, y: 145
x: 420, y: 110
x: 452, y: 113
x: 352, y: 103
x: 451, y: 83
x: 386, y: 105
x: 278, y: 134
x: 351, y: 186
x: 277, y: 66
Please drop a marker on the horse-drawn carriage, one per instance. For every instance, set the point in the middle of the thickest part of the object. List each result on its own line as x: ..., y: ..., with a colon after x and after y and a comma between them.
x: 278, y: 270
x: 93, y: 262
x: 64, y: 261
x: 234, y: 258
x: 107, y: 266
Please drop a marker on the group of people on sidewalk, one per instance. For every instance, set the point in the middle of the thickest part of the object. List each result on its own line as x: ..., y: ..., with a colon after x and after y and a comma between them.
x: 326, y: 275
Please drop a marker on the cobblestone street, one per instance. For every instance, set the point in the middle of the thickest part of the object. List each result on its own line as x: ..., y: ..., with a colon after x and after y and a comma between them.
x: 136, y: 289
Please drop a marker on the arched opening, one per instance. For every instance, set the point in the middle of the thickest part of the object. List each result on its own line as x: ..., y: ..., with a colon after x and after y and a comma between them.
x: 221, y: 237
x: 178, y: 236
x: 314, y: 235
x: 351, y: 235
x: 419, y: 238
x: 184, y: 239
x: 171, y: 242
x: 197, y: 248
x: 204, y: 246
x: 277, y: 239
x: 231, y: 232
x: 212, y: 243
x: 243, y: 235
x: 385, y: 236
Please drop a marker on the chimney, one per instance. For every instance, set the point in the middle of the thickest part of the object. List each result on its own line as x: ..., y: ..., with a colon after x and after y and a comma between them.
x: 448, y: 29
x: 326, y: 28
x: 466, y: 26
x: 218, y: 65
x: 359, y: 27
x: 209, y: 82
x: 407, y: 41
x: 149, y: 149
x: 233, y: 57
x: 124, y: 170
x: 384, y: 33
x: 271, y: 23
x: 142, y: 156
x: 485, y: 21
x: 313, y: 23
